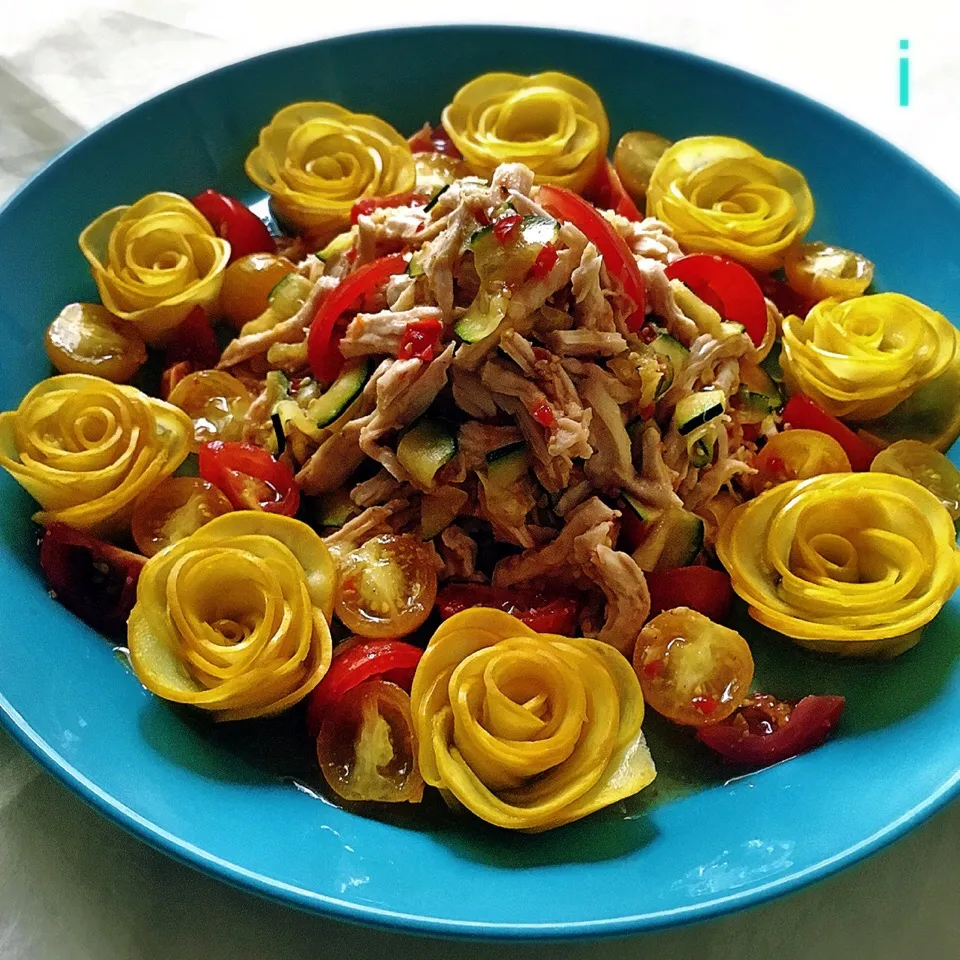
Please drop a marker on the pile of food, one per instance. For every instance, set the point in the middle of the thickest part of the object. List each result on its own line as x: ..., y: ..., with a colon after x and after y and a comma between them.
x: 468, y: 458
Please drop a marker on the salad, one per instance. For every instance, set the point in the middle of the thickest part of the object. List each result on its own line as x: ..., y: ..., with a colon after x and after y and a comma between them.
x: 464, y: 456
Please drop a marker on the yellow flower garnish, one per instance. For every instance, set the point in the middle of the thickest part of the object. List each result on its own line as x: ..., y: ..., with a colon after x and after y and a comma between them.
x: 720, y: 195
x: 859, y: 358
x: 234, y: 619
x: 85, y: 448
x: 155, y: 261
x: 528, y: 731
x: 552, y: 122
x: 317, y: 159
x: 852, y: 563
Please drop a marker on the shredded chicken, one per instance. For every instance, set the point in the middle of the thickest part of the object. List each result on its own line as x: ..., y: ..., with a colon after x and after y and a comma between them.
x: 380, y: 333
x: 624, y: 586
x: 371, y: 523
x: 586, y: 343
x: 459, y: 554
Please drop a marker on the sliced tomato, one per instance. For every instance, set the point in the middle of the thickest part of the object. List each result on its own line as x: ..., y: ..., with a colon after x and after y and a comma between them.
x: 700, y: 588
x: 783, y: 296
x: 566, y: 205
x: 323, y: 353
x: 607, y: 191
x: 803, y: 413
x: 94, y: 580
x: 193, y: 342
x: 369, y: 204
x: 434, y: 140
x: 421, y: 338
x: 391, y: 660
x: 727, y: 287
x: 250, y: 477
x: 543, y: 612
x: 238, y: 225
x: 765, y: 730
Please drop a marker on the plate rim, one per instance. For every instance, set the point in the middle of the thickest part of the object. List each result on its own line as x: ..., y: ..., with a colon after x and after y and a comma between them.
x: 421, y: 924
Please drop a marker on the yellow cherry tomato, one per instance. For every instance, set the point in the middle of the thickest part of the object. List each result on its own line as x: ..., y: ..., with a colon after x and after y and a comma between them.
x: 247, y: 284
x: 818, y: 271
x: 919, y: 461
x: 88, y: 338
x: 635, y: 157
x: 436, y: 170
x: 387, y: 586
x: 173, y: 510
x: 799, y: 455
x: 692, y: 671
x: 216, y: 402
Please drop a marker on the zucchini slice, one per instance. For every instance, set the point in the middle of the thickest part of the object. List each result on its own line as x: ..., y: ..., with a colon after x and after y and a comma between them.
x: 506, y: 465
x: 289, y: 295
x: 339, y: 244
x: 483, y: 316
x: 674, y: 541
x: 335, y: 509
x: 343, y: 391
x: 698, y: 409
x: 424, y: 449
x: 671, y: 348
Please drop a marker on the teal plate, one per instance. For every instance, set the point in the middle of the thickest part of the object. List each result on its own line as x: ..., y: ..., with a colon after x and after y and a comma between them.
x: 226, y: 799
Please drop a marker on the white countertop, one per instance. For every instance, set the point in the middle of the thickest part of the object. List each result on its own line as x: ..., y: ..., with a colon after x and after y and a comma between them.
x: 73, y: 886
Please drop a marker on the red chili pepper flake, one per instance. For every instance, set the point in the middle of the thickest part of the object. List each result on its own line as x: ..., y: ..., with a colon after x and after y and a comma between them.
x: 648, y: 333
x: 751, y: 431
x: 647, y: 412
x: 777, y: 466
x: 542, y: 354
x: 544, y: 415
x: 546, y: 258
x: 505, y: 227
x: 351, y: 254
x: 420, y: 226
x: 420, y: 339
x: 704, y: 704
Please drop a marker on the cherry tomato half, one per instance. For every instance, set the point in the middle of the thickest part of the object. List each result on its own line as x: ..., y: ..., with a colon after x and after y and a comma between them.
x: 94, y: 580
x: 819, y: 271
x: 691, y: 670
x: 87, y: 338
x: 250, y: 477
x: 727, y: 287
x: 635, y: 157
x: 171, y: 511
x: 247, y: 283
x: 216, y: 402
x: 387, y: 586
x: 700, y: 588
x: 804, y: 413
x: 366, y: 747
x: 543, y: 612
x: 194, y: 342
x: 238, y: 225
x: 391, y: 660
x: 765, y: 730
x: 927, y: 466
x: 434, y: 140
x: 799, y: 455
x: 607, y: 192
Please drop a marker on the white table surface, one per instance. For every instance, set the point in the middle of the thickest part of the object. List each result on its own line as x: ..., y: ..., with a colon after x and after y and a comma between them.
x: 73, y: 886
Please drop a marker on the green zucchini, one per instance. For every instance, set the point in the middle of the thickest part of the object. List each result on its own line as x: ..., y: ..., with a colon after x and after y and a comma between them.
x: 339, y: 244
x: 671, y: 348
x: 771, y: 363
x: 424, y: 449
x: 335, y: 509
x: 439, y: 510
x: 697, y: 409
x: 675, y: 540
x: 415, y: 267
x: 435, y: 198
x: 701, y: 450
x: 289, y: 295
x: 343, y: 391
x: 483, y: 316
x: 731, y: 328
x: 642, y: 512
x: 506, y: 465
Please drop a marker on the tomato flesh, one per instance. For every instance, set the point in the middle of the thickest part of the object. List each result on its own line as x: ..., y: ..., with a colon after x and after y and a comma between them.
x: 87, y: 338
x: 216, y: 402
x: 250, y: 477
x: 194, y: 342
x: 173, y: 510
x: 238, y: 225
x: 542, y: 612
x: 247, y: 284
x: 804, y: 413
x: 799, y: 454
x: 700, y: 588
x: 607, y: 191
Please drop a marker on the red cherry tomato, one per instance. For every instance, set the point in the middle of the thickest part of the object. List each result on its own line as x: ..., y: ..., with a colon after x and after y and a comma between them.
x: 607, y: 191
x: 421, y: 338
x: 369, y: 204
x: 434, y: 140
x: 322, y: 353
x: 194, y: 342
x: 238, y: 225
x: 765, y: 730
x: 803, y: 413
x: 703, y: 589
x: 784, y: 297
x: 566, y: 205
x: 250, y: 477
x: 94, y: 580
x: 727, y: 287
x: 542, y: 612
x: 390, y: 660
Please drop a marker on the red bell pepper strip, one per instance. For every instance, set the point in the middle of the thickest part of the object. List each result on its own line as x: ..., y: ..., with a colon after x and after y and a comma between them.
x: 700, y: 588
x: 801, y: 412
x: 607, y: 191
x: 250, y: 477
x: 566, y: 205
x: 542, y: 612
x: 784, y: 297
x: 193, y: 342
x: 764, y: 730
x: 238, y: 225
x: 390, y: 660
x: 322, y: 353
x: 727, y: 287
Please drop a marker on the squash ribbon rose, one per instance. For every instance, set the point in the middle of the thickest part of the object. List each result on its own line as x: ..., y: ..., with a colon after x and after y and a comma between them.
x: 316, y: 159
x: 85, y: 448
x: 552, y: 122
x: 234, y: 618
x: 154, y: 261
x: 854, y: 564
x: 720, y: 195
x: 860, y: 358
x: 528, y: 731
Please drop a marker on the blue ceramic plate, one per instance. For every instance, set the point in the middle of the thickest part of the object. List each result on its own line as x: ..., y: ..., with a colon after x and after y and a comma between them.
x: 694, y: 845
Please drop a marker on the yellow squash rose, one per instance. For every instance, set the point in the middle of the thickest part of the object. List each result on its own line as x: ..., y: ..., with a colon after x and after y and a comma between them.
x: 859, y: 358
x: 85, y: 448
x: 155, y: 261
x: 854, y: 563
x: 528, y: 731
x: 720, y: 195
x: 317, y: 159
x: 552, y: 122
x: 234, y: 618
